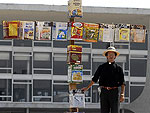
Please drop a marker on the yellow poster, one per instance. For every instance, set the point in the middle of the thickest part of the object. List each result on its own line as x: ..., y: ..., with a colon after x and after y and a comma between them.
x: 124, y: 34
x: 13, y: 29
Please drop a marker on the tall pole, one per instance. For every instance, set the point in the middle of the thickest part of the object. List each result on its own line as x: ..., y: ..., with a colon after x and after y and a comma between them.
x: 73, y: 86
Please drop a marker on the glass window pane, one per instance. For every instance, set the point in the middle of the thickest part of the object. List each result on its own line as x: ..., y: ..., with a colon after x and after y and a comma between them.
x: 23, y: 43
x: 42, y: 87
x: 95, y: 94
x: 5, y: 87
x: 22, y: 65
x: 138, y: 67
x: 5, y: 70
x: 40, y: 99
x: 86, y: 61
x: 60, y: 68
x: 135, y: 92
x: 5, y: 59
x: 42, y: 60
x: 60, y: 93
x: 42, y: 71
x: 22, y: 93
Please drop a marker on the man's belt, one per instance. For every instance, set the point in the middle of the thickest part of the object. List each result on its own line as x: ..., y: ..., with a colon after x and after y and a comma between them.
x: 108, y: 88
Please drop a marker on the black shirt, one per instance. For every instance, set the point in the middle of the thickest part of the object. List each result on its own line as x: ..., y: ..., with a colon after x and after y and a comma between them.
x: 109, y: 75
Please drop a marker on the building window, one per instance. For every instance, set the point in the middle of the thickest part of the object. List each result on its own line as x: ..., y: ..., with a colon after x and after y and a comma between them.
x: 95, y: 94
x: 22, y: 91
x: 42, y: 92
x: 42, y: 63
x: 138, y: 67
x: 5, y: 62
x: 22, y: 65
x: 5, y: 89
x: 60, y: 63
x: 60, y: 93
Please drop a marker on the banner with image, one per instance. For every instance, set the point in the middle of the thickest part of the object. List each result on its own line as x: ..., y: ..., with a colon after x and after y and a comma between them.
x: 75, y: 31
x: 106, y: 32
x: 11, y: 29
x: 43, y: 30
x: 27, y: 29
x: 59, y: 31
x: 75, y: 8
x: 90, y: 32
x: 138, y: 33
x: 122, y: 32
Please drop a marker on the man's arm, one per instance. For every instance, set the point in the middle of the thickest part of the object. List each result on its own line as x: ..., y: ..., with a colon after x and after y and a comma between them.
x: 86, y: 88
x: 122, y: 93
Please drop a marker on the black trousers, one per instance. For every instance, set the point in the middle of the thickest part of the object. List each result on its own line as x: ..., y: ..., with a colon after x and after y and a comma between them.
x: 109, y: 100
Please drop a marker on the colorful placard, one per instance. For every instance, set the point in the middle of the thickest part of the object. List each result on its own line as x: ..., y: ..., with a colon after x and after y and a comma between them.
x: 75, y: 8
x: 74, y: 54
x: 43, y: 30
x: 138, y: 33
x: 75, y: 73
x: 90, y: 32
x: 27, y: 29
x: 75, y: 31
x: 122, y: 32
x: 11, y: 29
x: 106, y: 32
x: 59, y: 31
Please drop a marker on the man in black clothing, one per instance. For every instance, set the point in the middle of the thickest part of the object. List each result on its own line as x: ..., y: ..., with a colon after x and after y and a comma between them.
x: 110, y: 76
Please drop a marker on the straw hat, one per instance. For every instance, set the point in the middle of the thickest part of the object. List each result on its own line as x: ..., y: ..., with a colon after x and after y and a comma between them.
x: 111, y: 49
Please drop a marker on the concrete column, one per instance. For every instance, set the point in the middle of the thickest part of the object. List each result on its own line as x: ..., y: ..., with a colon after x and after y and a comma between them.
x: 27, y: 110
x: 141, y: 104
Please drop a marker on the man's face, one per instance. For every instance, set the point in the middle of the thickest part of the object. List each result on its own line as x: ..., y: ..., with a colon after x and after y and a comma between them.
x: 111, y: 56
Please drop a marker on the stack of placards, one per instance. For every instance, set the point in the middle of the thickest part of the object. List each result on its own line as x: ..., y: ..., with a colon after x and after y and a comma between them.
x: 75, y: 31
x: 90, y: 32
x: 122, y: 32
x: 59, y: 31
x: 138, y: 33
x: 75, y: 8
x: 43, y: 30
x: 74, y: 53
x: 106, y: 32
x: 11, y: 29
x: 75, y: 73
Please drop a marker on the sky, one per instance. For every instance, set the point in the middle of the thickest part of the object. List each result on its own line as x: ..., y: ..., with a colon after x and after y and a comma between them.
x: 100, y: 3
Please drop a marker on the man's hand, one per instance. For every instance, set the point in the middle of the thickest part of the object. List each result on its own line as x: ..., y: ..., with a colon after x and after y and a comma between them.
x: 121, y: 98
x: 84, y: 89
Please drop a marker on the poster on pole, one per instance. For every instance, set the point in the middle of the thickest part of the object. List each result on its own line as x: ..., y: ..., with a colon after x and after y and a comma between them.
x: 75, y: 31
x: 43, y: 30
x: 122, y: 32
x: 75, y: 8
x: 90, y: 32
x: 74, y: 53
x: 138, y: 33
x: 106, y: 32
x: 59, y: 31
x: 11, y: 29
x: 75, y: 73
x: 27, y: 30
